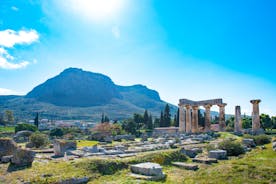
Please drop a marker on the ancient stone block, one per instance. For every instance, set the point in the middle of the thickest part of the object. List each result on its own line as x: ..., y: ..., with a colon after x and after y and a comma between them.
x: 61, y: 146
x: 6, y: 159
x: 218, y: 154
x: 205, y: 160
x: 22, y: 136
x: 249, y: 143
x: 147, y: 168
x: 7, y: 147
x: 191, y: 152
x: 23, y: 157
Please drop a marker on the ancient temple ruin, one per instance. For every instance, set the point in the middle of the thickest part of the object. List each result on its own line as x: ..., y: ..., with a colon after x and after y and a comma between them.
x: 188, y: 114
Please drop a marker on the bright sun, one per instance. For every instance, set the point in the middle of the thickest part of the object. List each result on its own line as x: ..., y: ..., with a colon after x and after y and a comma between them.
x: 97, y: 9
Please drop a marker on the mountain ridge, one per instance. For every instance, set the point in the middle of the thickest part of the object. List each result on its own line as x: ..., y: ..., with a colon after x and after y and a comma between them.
x: 79, y: 94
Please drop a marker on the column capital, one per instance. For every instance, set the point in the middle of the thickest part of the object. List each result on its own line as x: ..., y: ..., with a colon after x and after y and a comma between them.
x: 207, y: 106
x: 222, y: 105
x: 257, y: 101
x: 188, y: 106
x: 195, y: 107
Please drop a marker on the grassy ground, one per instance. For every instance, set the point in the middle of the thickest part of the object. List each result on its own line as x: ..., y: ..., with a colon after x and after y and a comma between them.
x: 83, y: 143
x: 258, y: 166
x: 6, y: 129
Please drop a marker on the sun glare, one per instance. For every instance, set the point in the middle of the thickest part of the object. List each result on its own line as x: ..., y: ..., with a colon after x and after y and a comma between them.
x: 97, y: 9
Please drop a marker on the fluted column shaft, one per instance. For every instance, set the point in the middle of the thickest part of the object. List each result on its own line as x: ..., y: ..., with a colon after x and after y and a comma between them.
x: 182, y: 122
x: 195, y: 119
x: 238, y: 120
x: 188, y: 119
x: 222, y: 123
x: 207, y: 126
x: 256, y: 125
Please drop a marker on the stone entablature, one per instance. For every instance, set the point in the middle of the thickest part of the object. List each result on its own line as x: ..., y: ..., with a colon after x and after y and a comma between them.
x: 200, y: 103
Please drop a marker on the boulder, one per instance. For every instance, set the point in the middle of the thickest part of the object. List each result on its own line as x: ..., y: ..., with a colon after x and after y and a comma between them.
x: 7, y: 147
x: 218, y: 154
x: 249, y: 143
x: 61, y: 146
x: 274, y: 146
x: 6, y: 159
x: 23, y: 157
x: 147, y: 169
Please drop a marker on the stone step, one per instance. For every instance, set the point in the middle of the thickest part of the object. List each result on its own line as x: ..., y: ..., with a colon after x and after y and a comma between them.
x: 205, y: 160
x: 188, y: 166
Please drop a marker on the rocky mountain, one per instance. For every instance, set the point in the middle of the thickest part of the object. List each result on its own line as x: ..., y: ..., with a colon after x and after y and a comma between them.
x: 78, y: 94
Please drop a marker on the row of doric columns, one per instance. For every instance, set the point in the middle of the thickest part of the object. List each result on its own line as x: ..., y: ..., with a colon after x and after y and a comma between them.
x: 188, y: 118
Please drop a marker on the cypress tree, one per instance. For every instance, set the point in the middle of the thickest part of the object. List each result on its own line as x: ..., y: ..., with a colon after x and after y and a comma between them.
x: 36, y: 120
x: 161, y: 123
x: 146, y: 119
x: 167, y: 116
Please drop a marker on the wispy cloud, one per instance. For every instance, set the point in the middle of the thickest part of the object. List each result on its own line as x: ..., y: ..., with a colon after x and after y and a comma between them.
x: 8, y: 39
x: 116, y: 32
x: 4, y: 91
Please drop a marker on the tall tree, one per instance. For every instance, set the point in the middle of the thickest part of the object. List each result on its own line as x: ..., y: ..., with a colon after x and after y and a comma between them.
x: 36, y: 122
x: 102, y: 119
x: 201, y: 119
x: 266, y: 121
x: 146, y: 118
x: 150, y: 123
x: 106, y: 119
x: 139, y: 120
x: 176, y: 119
x: 156, y: 123
x: 167, y: 116
x: 161, y: 123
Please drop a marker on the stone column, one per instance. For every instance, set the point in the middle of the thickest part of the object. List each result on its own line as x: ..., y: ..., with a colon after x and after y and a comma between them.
x: 182, y: 122
x: 256, y: 125
x: 195, y: 119
x: 188, y: 119
x: 207, y: 126
x: 238, y: 119
x: 222, y: 124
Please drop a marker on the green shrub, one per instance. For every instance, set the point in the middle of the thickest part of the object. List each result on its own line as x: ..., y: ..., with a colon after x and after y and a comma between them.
x: 233, y: 148
x: 57, y: 132
x: 38, y: 139
x: 25, y: 126
x: 259, y: 139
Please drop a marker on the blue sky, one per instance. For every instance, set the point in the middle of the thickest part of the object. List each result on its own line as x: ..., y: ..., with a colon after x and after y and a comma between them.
x: 183, y: 49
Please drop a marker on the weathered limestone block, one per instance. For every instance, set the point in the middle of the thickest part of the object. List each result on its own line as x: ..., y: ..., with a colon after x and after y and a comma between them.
x: 192, y: 152
x: 7, y: 147
x: 238, y: 120
x: 93, y: 149
x: 23, y: 157
x: 148, y: 169
x: 6, y: 159
x: 187, y: 166
x: 61, y: 146
x: 218, y: 154
x: 256, y: 125
x: 249, y: 143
